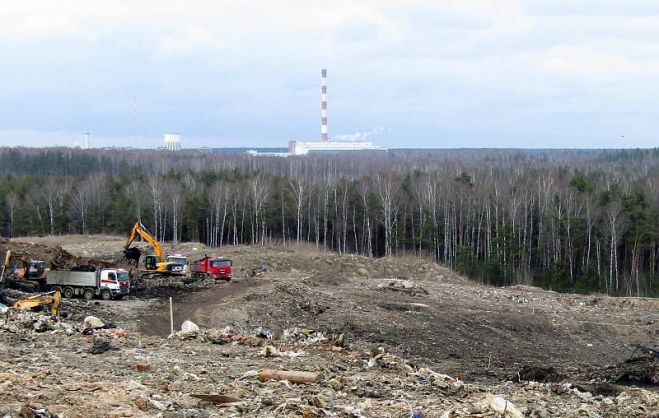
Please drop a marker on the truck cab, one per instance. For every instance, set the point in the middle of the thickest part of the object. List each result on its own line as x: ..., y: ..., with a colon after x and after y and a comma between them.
x: 218, y: 268
x: 178, y: 260
x: 117, y: 281
x: 221, y: 268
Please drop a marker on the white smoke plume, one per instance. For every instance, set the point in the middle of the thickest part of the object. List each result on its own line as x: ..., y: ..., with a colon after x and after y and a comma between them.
x: 359, y: 136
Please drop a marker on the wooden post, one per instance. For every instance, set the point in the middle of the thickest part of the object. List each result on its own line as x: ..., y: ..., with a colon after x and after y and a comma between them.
x: 171, y: 316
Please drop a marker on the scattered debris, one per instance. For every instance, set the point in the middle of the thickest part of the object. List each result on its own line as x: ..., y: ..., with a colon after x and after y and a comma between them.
x: 291, y: 376
x: 356, y: 345
x: 189, y: 327
x: 503, y: 406
x: 99, y: 346
x: 92, y: 322
x: 143, y: 367
x: 217, y: 399
x: 639, y: 371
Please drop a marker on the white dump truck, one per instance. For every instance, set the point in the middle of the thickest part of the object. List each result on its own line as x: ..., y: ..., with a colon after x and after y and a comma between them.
x: 106, y: 283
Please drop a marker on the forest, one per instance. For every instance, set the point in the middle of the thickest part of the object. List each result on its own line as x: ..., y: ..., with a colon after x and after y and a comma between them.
x: 567, y: 220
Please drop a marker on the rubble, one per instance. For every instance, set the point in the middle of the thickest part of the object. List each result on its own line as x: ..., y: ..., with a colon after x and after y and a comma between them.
x: 92, y: 322
x: 290, y: 376
x: 100, y: 346
x: 189, y: 327
x: 360, y: 346
x: 503, y: 406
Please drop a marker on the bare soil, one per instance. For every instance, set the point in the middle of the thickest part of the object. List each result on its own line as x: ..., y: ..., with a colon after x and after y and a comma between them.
x: 412, y: 308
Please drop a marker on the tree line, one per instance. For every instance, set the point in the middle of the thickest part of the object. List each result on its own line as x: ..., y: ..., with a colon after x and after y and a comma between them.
x: 568, y: 220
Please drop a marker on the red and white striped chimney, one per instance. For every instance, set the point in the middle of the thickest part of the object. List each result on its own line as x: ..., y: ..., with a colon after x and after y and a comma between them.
x: 323, y: 106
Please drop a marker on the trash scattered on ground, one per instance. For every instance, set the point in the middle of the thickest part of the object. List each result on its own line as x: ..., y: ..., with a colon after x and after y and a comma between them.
x: 100, y: 346
x: 313, y: 336
x: 503, y: 406
x: 143, y: 367
x: 290, y: 376
x: 92, y: 322
x: 189, y: 327
x: 217, y: 399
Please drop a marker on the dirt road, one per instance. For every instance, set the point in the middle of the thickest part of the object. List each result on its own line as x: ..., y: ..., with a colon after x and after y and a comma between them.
x: 198, y: 307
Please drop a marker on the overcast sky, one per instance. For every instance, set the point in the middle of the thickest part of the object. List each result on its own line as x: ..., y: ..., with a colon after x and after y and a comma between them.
x: 403, y: 73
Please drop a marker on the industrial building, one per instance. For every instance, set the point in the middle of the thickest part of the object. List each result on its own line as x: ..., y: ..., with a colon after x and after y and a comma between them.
x: 313, y: 147
x: 173, y: 142
x: 325, y: 145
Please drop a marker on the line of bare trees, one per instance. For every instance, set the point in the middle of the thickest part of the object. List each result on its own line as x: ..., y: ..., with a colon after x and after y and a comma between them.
x: 569, y: 220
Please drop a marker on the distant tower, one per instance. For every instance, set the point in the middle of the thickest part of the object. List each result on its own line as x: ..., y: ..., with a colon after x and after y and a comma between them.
x: 323, y: 106
x: 86, y: 140
x: 173, y: 142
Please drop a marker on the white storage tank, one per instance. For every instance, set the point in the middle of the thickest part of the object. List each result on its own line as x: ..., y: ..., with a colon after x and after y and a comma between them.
x: 173, y: 141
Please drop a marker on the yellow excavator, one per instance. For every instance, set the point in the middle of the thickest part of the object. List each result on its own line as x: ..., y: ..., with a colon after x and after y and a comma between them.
x: 5, y: 267
x: 51, y: 299
x: 20, y: 267
x: 155, y: 266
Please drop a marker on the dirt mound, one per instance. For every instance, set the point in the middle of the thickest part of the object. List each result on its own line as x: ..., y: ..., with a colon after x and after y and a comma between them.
x: 168, y: 287
x: 55, y: 256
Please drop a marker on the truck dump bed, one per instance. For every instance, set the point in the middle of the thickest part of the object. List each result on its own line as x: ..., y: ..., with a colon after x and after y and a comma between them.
x: 197, y: 267
x: 72, y: 278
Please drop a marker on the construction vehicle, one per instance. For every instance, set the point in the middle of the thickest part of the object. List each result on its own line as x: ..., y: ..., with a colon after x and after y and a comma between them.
x: 18, y: 267
x: 154, y: 266
x: 208, y: 267
x: 178, y: 259
x: 5, y: 267
x: 51, y: 299
x: 106, y: 283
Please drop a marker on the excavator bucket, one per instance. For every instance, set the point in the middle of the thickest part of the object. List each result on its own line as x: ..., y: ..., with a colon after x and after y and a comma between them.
x: 132, y: 255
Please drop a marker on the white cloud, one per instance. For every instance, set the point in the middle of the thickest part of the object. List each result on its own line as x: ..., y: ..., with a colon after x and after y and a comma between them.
x: 188, y: 40
x: 434, y: 63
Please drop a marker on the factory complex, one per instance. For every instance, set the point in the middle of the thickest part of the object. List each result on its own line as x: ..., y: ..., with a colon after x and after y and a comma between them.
x: 324, y: 145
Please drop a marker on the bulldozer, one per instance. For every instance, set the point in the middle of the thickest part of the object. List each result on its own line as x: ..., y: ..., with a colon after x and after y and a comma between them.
x: 53, y: 300
x: 153, y: 266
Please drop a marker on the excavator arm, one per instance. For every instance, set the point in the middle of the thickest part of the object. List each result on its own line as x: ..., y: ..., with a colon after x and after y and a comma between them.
x: 10, y: 268
x: 154, y: 265
x: 140, y: 230
x: 5, y: 267
x: 50, y: 299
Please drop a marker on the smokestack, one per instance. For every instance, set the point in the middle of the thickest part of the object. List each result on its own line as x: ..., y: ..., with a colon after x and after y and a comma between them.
x: 323, y: 106
x: 86, y: 140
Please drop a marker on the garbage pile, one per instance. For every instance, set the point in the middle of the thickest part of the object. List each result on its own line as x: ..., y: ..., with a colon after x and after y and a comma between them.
x: 303, y: 372
x: 170, y: 287
x: 93, y: 368
x: 327, y: 336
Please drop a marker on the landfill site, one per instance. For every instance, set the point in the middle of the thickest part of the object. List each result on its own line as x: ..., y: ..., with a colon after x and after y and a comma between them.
x: 300, y: 332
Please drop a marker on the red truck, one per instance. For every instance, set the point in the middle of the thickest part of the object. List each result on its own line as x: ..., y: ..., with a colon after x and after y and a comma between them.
x: 209, y: 267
